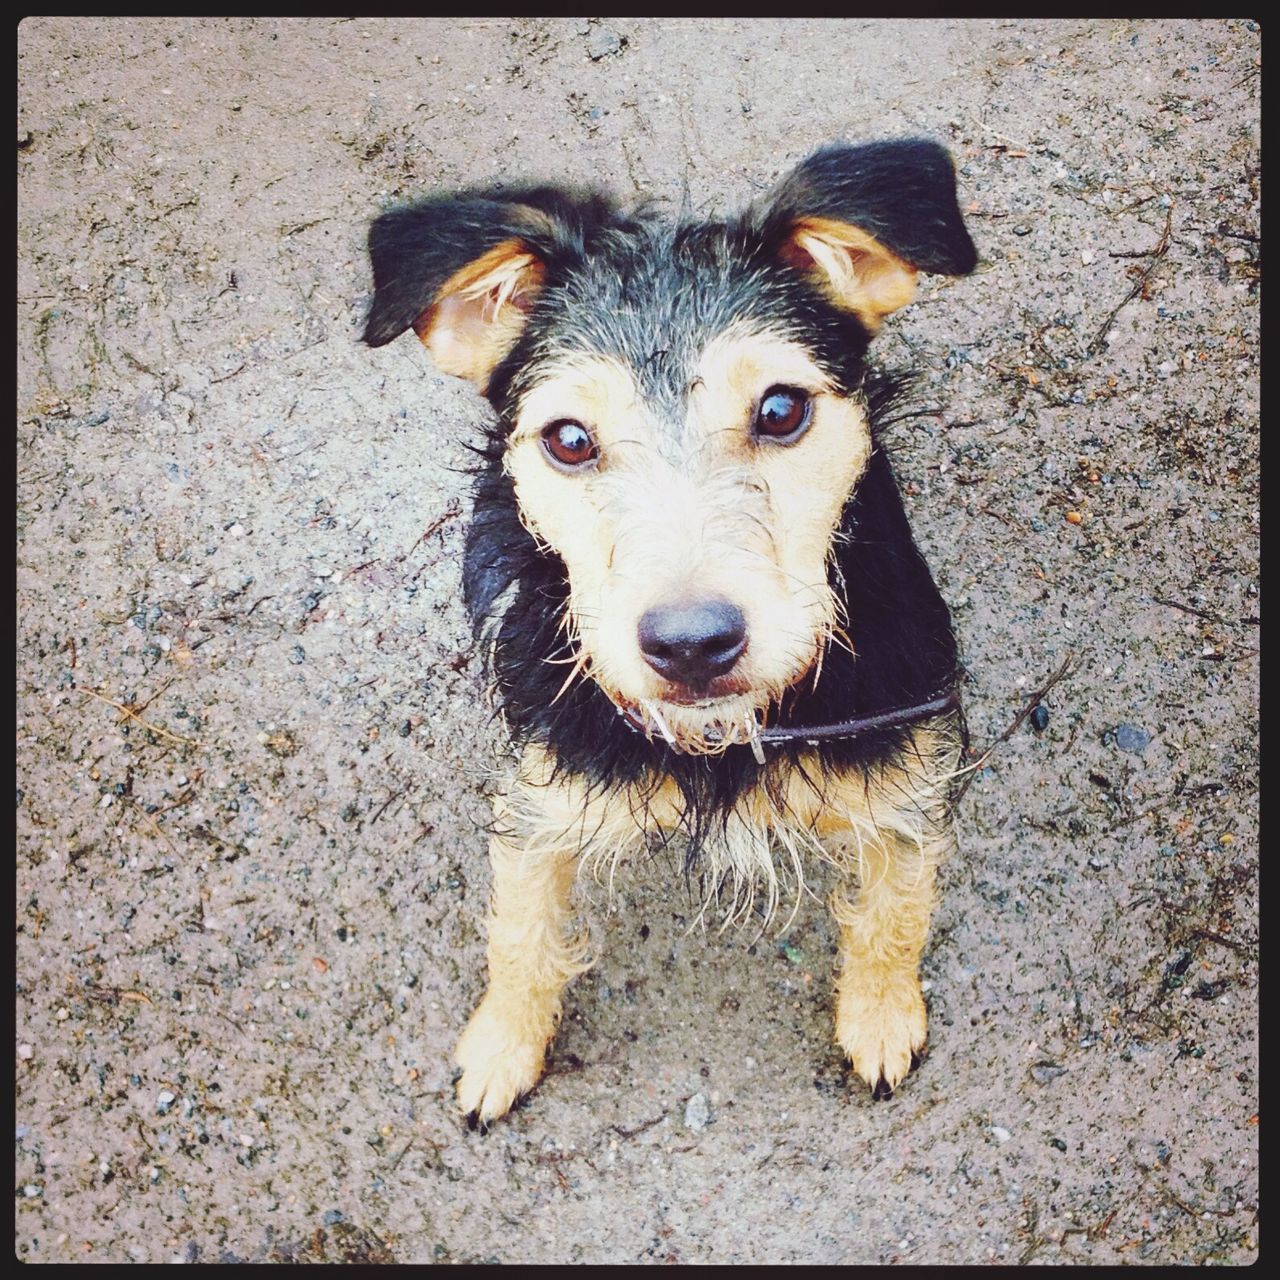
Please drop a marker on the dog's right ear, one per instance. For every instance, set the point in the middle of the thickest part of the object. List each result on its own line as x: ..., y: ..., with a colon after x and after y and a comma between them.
x: 463, y: 271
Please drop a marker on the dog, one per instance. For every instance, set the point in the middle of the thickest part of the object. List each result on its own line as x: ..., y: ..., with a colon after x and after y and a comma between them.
x: 706, y: 610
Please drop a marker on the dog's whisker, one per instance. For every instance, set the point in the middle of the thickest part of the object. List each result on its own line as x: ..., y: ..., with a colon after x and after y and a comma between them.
x: 577, y: 669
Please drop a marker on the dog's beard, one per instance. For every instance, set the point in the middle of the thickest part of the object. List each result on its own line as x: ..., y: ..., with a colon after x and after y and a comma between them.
x: 707, y: 727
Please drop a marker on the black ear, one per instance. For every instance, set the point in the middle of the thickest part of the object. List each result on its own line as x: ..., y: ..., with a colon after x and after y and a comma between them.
x: 463, y: 270
x: 901, y: 193
x: 865, y: 219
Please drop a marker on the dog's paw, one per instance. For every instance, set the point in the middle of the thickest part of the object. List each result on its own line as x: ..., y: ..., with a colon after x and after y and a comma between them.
x: 499, y: 1061
x: 882, y: 1031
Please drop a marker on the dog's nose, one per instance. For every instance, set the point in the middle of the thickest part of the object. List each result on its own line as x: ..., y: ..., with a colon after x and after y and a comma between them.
x: 693, y: 643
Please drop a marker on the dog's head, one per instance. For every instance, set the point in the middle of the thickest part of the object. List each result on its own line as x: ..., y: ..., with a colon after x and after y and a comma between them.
x: 681, y: 407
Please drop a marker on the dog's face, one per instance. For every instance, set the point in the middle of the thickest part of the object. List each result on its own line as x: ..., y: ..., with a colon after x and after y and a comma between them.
x: 687, y: 455
x: 684, y: 422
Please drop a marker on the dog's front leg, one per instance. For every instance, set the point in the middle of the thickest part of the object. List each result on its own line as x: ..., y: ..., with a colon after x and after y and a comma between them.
x: 531, y: 953
x: 880, y: 1013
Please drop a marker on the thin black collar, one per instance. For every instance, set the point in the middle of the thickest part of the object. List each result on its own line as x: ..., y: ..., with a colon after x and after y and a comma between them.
x: 815, y: 733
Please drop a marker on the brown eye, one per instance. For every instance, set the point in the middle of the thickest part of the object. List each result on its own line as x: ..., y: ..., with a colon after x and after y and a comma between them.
x: 783, y: 415
x: 569, y: 444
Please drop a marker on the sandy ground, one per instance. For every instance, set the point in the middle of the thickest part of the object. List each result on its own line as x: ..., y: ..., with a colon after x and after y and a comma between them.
x: 253, y: 756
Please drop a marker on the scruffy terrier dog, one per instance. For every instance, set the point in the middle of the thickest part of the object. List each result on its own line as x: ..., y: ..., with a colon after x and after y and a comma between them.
x: 708, y: 614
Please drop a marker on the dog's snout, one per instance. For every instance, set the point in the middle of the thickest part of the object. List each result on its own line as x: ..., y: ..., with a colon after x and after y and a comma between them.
x: 693, y: 643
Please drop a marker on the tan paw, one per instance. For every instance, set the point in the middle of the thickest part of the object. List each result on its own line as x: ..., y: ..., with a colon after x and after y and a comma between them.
x: 880, y: 1030
x: 500, y: 1060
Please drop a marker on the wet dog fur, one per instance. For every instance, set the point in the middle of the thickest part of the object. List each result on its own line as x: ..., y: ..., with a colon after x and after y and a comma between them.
x: 686, y: 528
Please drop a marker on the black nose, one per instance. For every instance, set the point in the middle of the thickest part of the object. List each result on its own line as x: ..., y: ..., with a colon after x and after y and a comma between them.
x: 693, y: 643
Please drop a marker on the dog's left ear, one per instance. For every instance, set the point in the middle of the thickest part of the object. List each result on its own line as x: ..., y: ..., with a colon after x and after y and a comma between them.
x: 862, y: 221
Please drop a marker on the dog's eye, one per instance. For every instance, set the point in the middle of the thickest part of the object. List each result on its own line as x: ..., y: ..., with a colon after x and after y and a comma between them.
x: 569, y: 444
x: 783, y: 415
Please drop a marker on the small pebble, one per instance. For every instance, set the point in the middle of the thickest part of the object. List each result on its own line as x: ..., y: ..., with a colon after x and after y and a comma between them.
x: 1132, y: 739
x: 31, y: 1190
x: 25, y: 1052
x: 1000, y: 1134
x: 1021, y: 230
x: 332, y: 1217
x: 1074, y: 517
x: 1040, y: 718
x: 164, y: 1101
x: 297, y: 655
x: 697, y: 1113
x: 602, y: 43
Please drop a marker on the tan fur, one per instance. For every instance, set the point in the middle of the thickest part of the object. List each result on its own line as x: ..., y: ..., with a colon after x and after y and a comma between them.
x: 533, y: 853
x: 884, y: 832
x: 480, y: 310
x: 853, y: 268
x: 705, y: 510
x: 880, y: 1013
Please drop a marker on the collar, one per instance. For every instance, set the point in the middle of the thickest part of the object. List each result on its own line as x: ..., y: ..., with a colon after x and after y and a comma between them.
x: 813, y: 734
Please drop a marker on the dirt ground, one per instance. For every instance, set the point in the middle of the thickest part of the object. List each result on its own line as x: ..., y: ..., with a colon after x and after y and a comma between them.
x: 254, y: 756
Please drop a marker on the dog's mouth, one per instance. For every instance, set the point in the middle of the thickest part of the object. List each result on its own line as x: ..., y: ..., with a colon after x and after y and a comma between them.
x: 705, y: 726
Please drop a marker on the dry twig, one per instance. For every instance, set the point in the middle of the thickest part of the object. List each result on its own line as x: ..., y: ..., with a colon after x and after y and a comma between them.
x: 1068, y: 664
